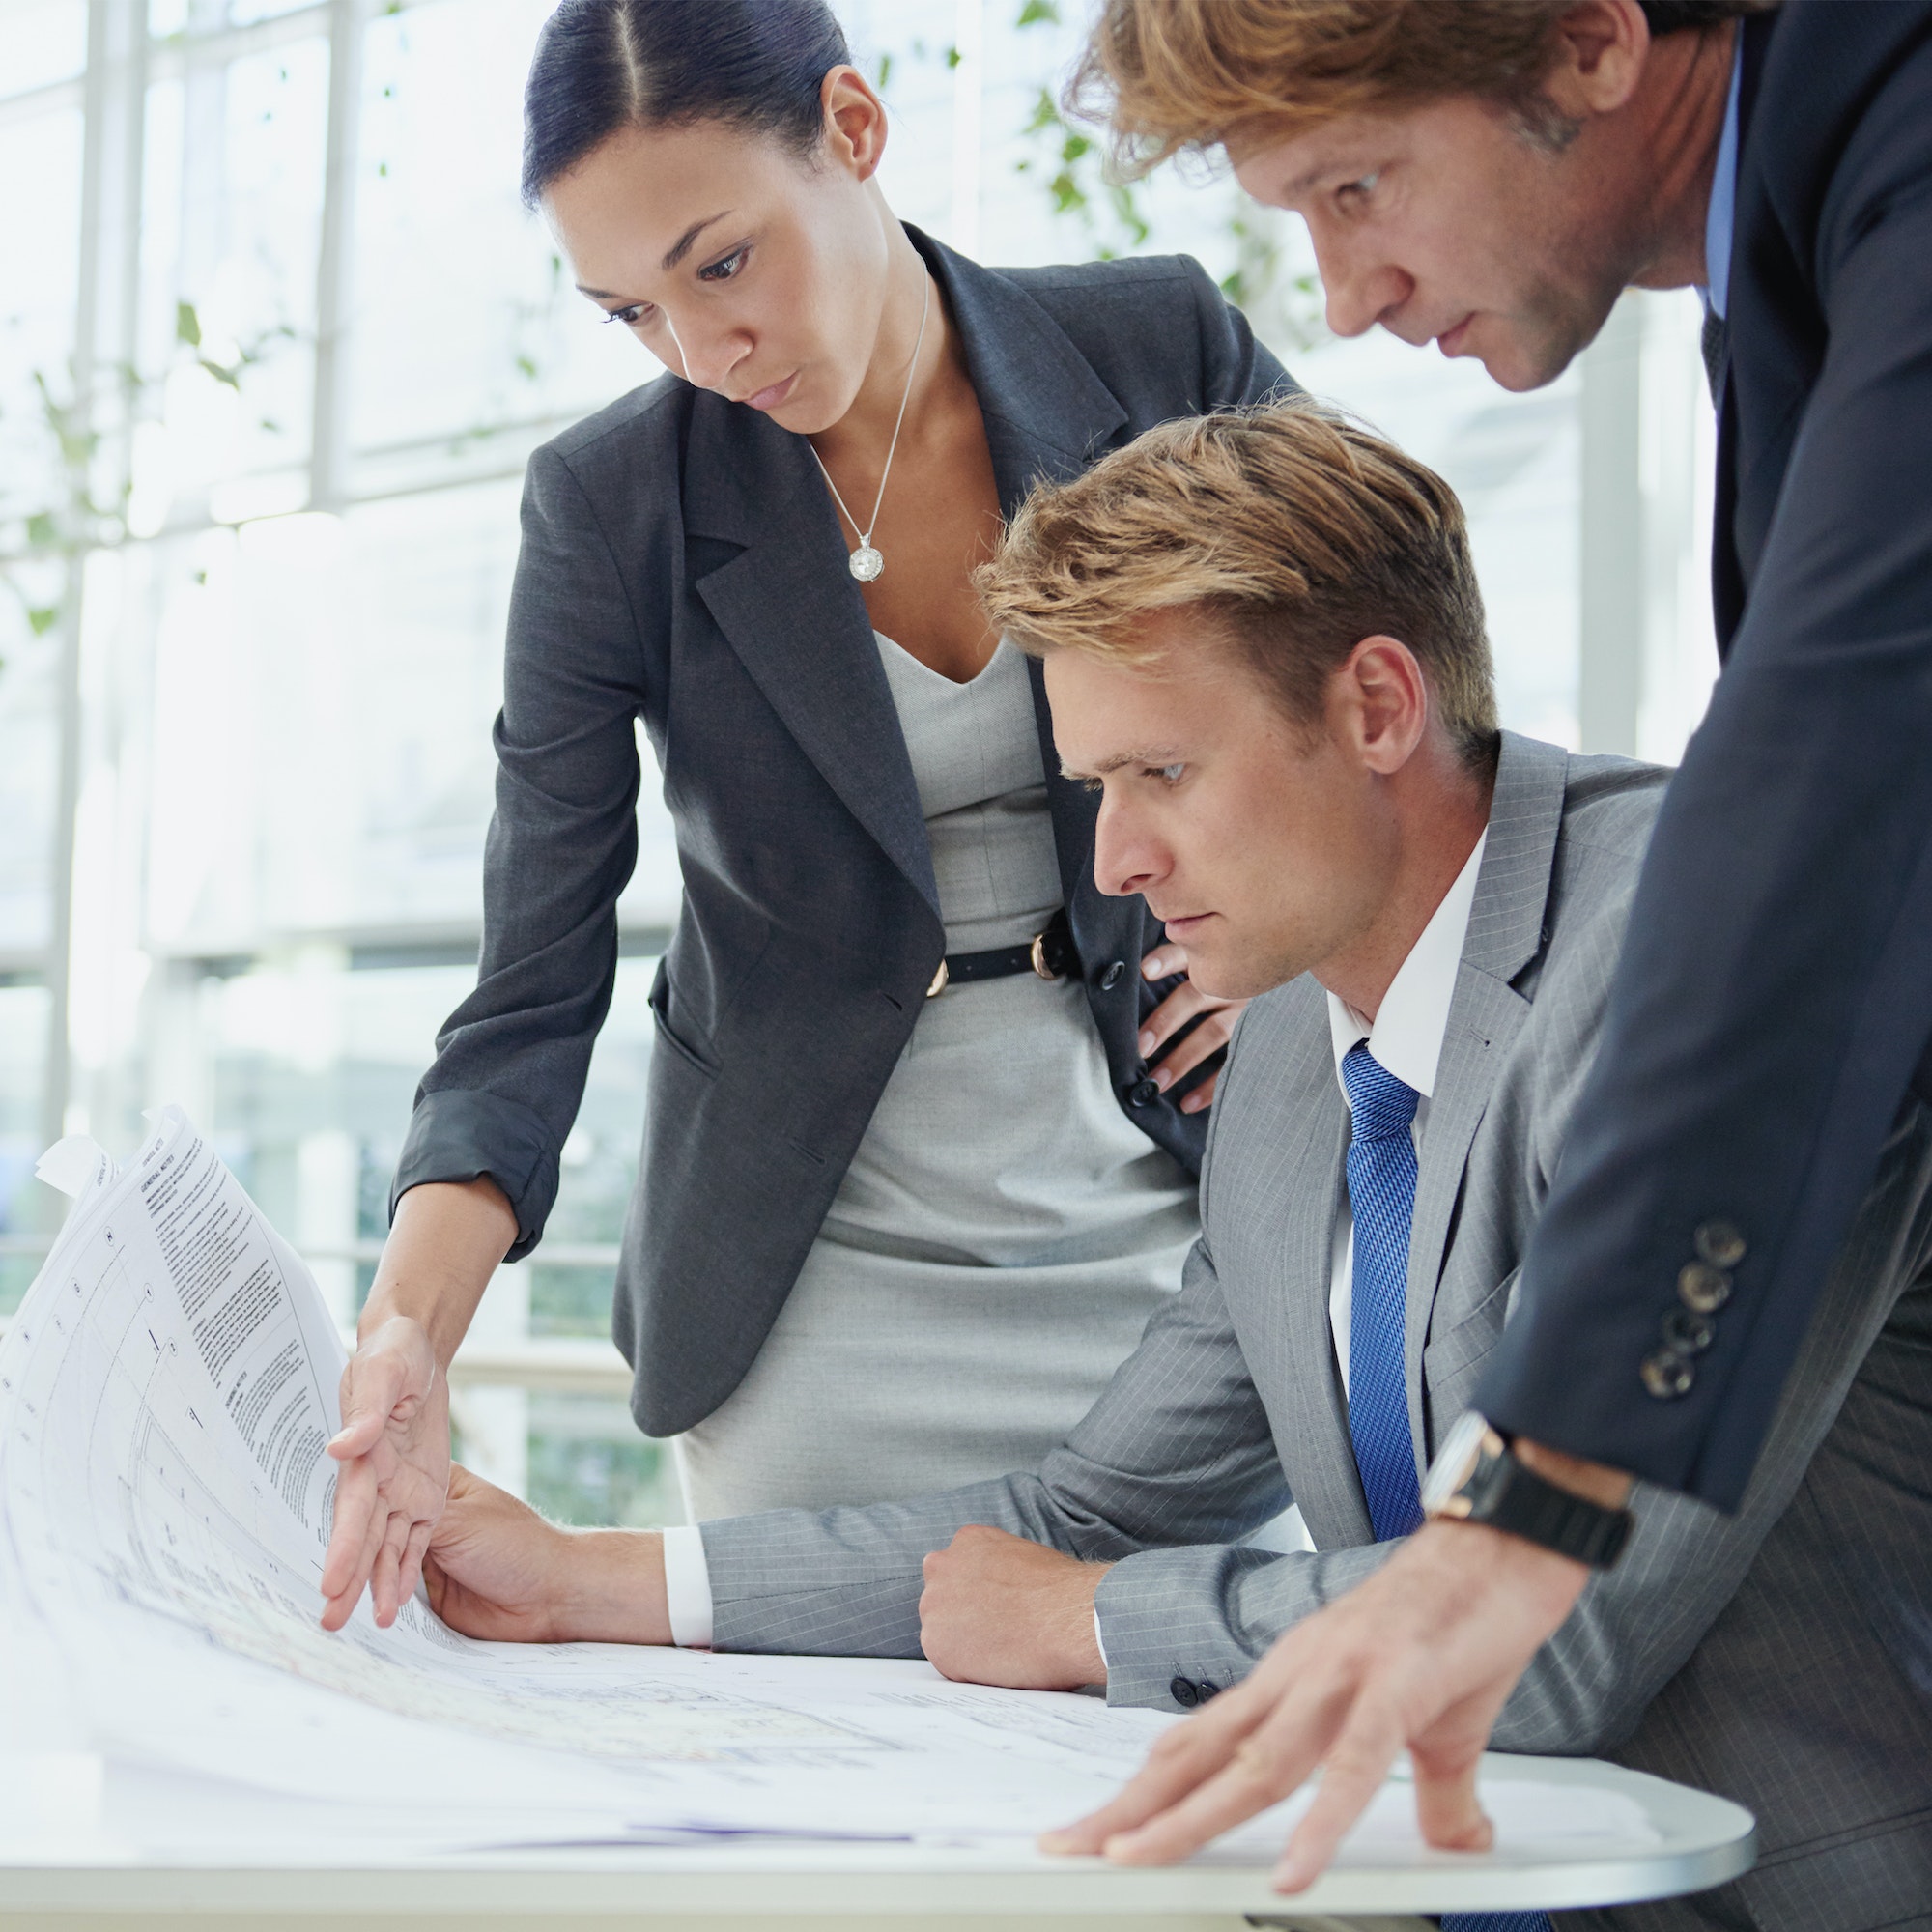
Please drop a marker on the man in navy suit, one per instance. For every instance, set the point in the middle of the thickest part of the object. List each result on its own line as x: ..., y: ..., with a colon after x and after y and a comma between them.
x: 1489, y: 176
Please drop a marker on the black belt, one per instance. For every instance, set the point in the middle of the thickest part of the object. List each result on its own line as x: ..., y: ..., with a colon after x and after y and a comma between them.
x: 1049, y: 954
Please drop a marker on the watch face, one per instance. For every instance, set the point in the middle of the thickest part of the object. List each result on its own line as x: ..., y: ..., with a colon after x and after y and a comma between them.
x: 1455, y: 1463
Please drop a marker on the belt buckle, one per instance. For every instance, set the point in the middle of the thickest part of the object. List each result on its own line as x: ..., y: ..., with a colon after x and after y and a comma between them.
x: 939, y: 978
x: 1037, y: 954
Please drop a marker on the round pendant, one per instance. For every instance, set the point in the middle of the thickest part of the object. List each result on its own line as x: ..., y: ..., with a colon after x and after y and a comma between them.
x: 867, y: 563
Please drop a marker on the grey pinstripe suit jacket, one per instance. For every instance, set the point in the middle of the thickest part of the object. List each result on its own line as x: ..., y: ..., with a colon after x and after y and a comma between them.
x: 1770, y: 1655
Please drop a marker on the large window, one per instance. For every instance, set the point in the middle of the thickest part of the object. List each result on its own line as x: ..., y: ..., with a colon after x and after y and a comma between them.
x: 266, y: 395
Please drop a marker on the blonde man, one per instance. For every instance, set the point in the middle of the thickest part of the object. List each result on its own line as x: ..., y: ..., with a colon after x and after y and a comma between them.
x: 1264, y: 647
x: 1489, y: 176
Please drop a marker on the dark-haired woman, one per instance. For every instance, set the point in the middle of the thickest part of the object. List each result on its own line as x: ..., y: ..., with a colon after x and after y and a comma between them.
x: 922, y: 1125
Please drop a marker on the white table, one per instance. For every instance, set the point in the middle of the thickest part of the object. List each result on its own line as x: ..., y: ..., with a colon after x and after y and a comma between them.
x: 78, y: 1879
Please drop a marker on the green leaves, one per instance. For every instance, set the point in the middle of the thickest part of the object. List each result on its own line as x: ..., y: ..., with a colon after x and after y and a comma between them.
x: 1076, y: 184
x: 188, y: 324
x: 1039, y: 13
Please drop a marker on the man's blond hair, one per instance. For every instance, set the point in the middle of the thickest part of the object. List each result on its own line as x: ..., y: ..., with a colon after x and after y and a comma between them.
x: 1294, y: 530
x: 1173, y: 74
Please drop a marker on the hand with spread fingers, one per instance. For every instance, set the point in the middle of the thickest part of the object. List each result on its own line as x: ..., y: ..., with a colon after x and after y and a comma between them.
x: 1420, y: 1658
x: 1187, y: 1001
x: 444, y: 1244
x: 394, y: 1451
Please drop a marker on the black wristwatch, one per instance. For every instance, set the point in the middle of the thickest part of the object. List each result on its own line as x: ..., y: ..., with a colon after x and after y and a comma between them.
x: 1476, y: 1478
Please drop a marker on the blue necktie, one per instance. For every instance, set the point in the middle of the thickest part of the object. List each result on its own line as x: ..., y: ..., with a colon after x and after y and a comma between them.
x: 1381, y: 1199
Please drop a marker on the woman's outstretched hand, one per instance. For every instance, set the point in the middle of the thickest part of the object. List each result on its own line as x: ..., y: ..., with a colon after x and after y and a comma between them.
x: 497, y: 1570
x: 445, y: 1243
x: 394, y: 1451
x: 1180, y: 1006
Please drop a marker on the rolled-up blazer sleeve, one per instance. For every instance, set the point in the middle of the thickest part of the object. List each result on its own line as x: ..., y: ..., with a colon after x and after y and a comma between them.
x: 511, y: 1061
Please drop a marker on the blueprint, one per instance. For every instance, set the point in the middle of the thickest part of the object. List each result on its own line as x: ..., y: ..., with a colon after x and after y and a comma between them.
x: 167, y: 1393
x: 167, y: 1390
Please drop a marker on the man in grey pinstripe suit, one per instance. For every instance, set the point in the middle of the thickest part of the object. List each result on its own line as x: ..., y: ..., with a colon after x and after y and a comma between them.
x: 1307, y: 786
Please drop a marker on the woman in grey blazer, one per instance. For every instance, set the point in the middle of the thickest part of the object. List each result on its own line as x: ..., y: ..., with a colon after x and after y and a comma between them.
x: 909, y: 1185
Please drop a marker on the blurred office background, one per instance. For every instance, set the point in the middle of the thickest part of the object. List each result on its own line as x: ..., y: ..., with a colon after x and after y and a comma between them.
x: 275, y: 338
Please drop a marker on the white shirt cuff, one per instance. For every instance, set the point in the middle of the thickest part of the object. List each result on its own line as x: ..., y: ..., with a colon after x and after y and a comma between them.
x: 1099, y: 1643
x: 686, y: 1587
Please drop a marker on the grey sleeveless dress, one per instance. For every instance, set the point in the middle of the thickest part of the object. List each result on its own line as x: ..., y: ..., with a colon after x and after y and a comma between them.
x: 1004, y: 1231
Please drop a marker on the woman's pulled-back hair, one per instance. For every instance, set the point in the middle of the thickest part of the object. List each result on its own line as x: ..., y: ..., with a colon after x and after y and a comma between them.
x: 606, y: 64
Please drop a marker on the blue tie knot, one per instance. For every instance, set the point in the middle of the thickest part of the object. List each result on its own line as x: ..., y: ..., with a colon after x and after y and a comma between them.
x: 1381, y: 1105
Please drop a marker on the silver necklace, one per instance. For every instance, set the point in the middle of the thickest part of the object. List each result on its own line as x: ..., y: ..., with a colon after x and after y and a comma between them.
x: 865, y: 562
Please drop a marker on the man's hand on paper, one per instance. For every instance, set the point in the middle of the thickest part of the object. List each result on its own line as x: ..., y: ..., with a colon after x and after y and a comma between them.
x: 998, y: 1609
x: 1186, y: 1003
x: 1419, y: 1657
x: 394, y: 1451
x: 495, y: 1569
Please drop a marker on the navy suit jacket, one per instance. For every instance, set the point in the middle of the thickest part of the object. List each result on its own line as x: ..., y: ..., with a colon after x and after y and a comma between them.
x: 683, y: 565
x: 1776, y: 994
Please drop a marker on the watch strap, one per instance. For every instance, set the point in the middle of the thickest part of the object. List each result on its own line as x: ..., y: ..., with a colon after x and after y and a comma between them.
x: 1510, y: 1496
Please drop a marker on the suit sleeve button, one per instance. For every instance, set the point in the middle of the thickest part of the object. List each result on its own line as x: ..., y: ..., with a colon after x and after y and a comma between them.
x: 1183, y: 1693
x: 1722, y: 1243
x: 1111, y: 978
x: 1687, y: 1332
x: 1205, y: 1691
x: 1667, y: 1374
x: 1703, y: 1289
x: 1143, y: 1094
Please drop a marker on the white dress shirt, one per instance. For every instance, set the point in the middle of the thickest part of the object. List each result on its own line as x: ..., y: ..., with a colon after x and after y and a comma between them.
x: 1406, y: 1038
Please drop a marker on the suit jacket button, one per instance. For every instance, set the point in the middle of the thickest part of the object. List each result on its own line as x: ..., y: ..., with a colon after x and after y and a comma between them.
x: 1721, y: 1243
x: 1667, y: 1374
x: 1143, y: 1094
x: 1688, y: 1332
x: 1702, y: 1287
x: 1183, y: 1693
x: 1111, y: 978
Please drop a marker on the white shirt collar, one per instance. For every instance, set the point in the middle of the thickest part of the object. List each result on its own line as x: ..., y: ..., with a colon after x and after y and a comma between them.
x: 1406, y: 1037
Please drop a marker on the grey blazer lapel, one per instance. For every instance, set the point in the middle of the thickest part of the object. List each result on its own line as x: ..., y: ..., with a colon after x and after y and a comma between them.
x: 1047, y: 413
x: 1322, y: 1472
x: 1506, y: 932
x: 1301, y: 1113
x: 796, y: 620
x: 1047, y: 417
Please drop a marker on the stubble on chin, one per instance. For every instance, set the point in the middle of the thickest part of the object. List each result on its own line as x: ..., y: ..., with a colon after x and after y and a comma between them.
x: 1563, y: 325
x: 1244, y: 975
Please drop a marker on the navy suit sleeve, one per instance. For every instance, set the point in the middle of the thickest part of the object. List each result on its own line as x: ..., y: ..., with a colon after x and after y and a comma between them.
x: 1775, y: 992
x: 511, y: 1061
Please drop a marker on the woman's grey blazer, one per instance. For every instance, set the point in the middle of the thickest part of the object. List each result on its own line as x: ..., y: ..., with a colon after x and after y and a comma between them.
x: 682, y: 562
